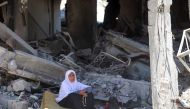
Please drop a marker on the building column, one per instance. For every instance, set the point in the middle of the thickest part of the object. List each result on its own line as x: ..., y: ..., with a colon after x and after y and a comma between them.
x: 81, y: 22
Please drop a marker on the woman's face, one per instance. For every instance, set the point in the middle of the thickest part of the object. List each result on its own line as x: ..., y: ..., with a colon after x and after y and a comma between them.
x: 72, y: 77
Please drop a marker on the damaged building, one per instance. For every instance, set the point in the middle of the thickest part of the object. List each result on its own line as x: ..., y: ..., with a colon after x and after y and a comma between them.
x: 127, y: 49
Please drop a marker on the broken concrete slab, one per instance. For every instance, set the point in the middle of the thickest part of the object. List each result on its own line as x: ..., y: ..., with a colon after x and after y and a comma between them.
x: 127, y: 44
x: 114, y: 50
x: 14, y: 104
x: 8, y: 36
x: 19, y: 100
x: 20, y: 85
x: 52, y: 72
x: 32, y: 76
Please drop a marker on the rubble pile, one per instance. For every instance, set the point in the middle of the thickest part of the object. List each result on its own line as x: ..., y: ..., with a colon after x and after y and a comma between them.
x: 106, y: 86
x: 116, y: 67
x: 18, y: 95
x: 184, y: 99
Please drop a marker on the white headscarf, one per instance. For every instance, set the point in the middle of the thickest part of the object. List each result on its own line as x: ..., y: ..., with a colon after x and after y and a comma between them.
x: 68, y: 87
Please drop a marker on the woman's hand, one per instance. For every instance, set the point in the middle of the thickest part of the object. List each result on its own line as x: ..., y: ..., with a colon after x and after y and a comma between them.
x: 83, y: 93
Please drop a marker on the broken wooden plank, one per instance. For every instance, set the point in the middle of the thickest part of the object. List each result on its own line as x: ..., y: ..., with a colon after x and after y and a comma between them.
x: 7, y: 34
x: 33, y: 67
x: 127, y: 44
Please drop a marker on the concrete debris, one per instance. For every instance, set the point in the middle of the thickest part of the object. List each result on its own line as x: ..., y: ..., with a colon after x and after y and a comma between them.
x: 8, y: 36
x: 115, y: 67
x: 185, y: 98
x: 67, y: 60
x: 20, y: 85
x: 108, y: 64
x: 111, y: 62
x: 12, y: 65
x: 18, y: 100
x: 31, y: 67
x: 84, y: 52
x: 115, y: 51
x: 4, y: 99
x: 1, y: 107
x: 34, y: 97
x: 138, y: 71
x: 64, y: 36
x: 127, y: 44
x: 14, y: 104
x: 124, y: 90
x: 9, y: 88
x: 50, y: 46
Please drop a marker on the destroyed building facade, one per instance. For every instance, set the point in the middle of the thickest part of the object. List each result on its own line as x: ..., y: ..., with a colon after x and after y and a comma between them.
x: 38, y: 45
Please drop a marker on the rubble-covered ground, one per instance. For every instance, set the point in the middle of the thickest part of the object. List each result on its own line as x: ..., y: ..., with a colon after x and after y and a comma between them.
x: 117, y: 67
x: 111, y: 68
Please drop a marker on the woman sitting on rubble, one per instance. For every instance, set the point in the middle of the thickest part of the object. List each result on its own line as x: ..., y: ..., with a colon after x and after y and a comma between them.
x: 74, y: 94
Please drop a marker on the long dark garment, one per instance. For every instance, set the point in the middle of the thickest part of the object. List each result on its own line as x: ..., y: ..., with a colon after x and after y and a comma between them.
x: 76, y: 101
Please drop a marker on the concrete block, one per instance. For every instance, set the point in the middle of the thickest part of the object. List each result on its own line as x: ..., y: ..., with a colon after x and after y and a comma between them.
x: 9, y: 88
x: 20, y: 85
x: 4, y: 99
x: 14, y: 104
x: 1, y: 106
x: 138, y: 71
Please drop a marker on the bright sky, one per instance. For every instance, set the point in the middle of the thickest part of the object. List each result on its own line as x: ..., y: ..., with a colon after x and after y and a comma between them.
x: 63, y: 2
x: 101, y: 4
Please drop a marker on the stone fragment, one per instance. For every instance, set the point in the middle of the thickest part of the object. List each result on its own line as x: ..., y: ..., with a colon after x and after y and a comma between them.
x: 20, y: 85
